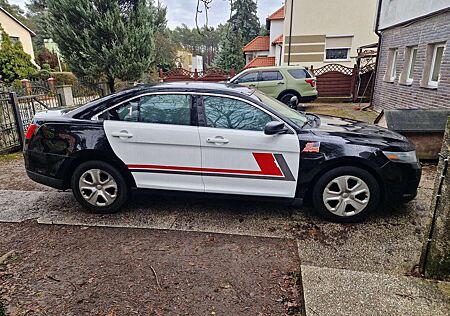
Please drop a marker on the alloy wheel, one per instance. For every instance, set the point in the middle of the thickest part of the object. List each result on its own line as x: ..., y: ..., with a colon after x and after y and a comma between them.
x: 346, y: 196
x: 98, y: 187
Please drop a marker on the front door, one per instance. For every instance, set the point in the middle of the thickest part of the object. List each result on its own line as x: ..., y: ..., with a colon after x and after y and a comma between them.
x: 238, y: 158
x: 249, y: 79
x: 271, y: 82
x: 157, y: 140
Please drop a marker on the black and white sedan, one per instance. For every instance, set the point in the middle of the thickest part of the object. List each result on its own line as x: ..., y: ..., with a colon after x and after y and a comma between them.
x: 218, y: 138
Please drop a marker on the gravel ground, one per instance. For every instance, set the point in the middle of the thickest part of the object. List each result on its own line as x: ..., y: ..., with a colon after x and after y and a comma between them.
x: 70, y: 270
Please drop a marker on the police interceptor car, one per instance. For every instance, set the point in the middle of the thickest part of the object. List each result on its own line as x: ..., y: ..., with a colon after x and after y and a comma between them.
x: 218, y: 138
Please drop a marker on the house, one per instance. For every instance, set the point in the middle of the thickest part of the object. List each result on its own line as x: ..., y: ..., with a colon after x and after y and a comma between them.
x: 316, y: 33
x: 413, y: 67
x: 17, y: 31
x: 321, y: 32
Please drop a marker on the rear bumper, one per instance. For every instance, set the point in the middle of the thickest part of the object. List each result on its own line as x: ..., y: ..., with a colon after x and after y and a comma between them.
x: 46, y: 180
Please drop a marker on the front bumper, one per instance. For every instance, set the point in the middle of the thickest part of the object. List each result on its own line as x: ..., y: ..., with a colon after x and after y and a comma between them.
x: 401, y: 181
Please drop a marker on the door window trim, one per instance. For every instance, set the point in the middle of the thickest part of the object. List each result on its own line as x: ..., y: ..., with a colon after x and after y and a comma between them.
x: 192, y: 108
x: 202, y: 115
x: 197, y: 107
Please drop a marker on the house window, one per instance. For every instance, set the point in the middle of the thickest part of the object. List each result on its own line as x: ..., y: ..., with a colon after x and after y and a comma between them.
x: 337, y: 53
x: 391, y: 71
x: 435, y: 69
x: 337, y: 48
x: 14, y: 39
x: 406, y: 77
x: 432, y: 69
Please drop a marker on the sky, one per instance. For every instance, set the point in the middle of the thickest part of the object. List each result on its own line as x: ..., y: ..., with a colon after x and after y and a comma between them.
x: 183, y: 11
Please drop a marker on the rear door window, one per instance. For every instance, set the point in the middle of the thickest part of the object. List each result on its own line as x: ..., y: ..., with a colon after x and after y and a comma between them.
x: 172, y: 109
x: 271, y: 75
x: 299, y: 73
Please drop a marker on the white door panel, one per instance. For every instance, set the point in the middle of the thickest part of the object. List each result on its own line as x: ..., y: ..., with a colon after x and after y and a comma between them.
x: 160, y: 156
x: 249, y: 162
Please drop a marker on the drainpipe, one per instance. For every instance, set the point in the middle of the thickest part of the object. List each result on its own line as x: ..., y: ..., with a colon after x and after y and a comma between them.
x: 377, y: 24
x: 290, y: 32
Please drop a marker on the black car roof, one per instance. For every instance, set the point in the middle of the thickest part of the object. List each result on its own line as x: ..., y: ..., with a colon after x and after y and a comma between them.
x: 180, y: 86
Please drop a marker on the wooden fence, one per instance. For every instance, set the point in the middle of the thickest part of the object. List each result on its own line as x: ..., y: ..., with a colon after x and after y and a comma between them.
x: 180, y: 74
x: 335, y: 80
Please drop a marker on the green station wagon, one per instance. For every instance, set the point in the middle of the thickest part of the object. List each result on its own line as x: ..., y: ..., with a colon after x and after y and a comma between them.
x: 280, y: 82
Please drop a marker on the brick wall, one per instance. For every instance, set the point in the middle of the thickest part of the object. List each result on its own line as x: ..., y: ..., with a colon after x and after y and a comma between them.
x: 425, y: 31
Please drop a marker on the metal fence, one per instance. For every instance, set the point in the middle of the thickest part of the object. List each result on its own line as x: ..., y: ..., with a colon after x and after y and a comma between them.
x: 9, y: 136
x: 17, y: 109
x: 85, y: 91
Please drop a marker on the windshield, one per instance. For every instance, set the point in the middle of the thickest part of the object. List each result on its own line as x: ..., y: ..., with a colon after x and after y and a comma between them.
x: 296, y: 117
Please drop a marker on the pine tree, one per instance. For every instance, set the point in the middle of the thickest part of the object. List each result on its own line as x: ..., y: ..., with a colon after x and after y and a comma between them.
x: 244, y: 18
x: 231, y: 55
x: 109, y: 38
x: 14, y: 62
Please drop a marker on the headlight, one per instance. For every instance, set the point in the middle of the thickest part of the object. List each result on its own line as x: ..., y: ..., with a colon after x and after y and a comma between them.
x: 398, y: 156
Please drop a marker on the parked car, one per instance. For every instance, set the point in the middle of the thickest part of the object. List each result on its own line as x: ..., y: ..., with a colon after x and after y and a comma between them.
x: 282, y: 83
x: 218, y: 138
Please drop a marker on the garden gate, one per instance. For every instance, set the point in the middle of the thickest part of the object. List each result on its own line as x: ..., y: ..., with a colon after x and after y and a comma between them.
x: 17, y: 109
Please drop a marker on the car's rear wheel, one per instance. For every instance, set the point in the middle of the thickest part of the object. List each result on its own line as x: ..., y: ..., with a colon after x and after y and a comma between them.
x: 287, y: 96
x: 346, y: 194
x: 99, y: 187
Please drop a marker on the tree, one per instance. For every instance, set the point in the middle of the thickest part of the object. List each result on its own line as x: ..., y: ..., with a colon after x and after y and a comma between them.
x: 109, y: 38
x: 231, y: 55
x: 244, y: 18
x: 203, y: 43
x: 37, y: 17
x: 47, y: 57
x: 14, y: 62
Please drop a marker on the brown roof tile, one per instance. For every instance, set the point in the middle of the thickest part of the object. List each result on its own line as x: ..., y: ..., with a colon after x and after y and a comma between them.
x: 277, y: 15
x: 261, y: 62
x: 259, y: 43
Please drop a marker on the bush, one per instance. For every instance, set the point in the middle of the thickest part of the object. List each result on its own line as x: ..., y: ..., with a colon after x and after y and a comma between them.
x: 64, y: 78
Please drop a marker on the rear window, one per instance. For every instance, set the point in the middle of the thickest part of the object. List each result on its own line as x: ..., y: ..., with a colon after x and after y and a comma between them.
x: 299, y: 73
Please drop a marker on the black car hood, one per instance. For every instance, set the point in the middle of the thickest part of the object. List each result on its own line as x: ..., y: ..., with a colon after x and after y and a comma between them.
x: 359, y: 133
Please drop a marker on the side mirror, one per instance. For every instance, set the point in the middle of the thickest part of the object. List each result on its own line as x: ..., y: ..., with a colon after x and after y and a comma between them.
x: 293, y: 102
x: 275, y: 127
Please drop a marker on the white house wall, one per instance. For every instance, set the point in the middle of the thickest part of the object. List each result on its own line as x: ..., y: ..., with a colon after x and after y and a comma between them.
x: 394, y: 12
x: 276, y: 29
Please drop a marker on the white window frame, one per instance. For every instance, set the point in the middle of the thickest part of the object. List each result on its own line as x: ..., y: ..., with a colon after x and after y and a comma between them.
x: 393, y: 66
x: 346, y: 59
x: 410, y: 66
x: 431, y: 83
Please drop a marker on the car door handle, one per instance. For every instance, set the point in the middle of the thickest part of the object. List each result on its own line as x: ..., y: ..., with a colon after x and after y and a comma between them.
x: 252, y: 85
x: 281, y: 82
x: 121, y: 134
x: 217, y: 140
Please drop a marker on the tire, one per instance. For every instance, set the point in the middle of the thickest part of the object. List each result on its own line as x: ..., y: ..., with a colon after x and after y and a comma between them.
x: 99, y: 196
x: 360, y: 196
x: 285, y: 97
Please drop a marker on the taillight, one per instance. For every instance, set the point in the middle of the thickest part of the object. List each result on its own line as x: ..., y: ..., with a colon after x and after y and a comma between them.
x: 312, y: 82
x: 30, y: 131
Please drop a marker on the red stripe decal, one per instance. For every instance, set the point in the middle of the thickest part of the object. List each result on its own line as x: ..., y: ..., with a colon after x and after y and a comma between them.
x: 265, y: 161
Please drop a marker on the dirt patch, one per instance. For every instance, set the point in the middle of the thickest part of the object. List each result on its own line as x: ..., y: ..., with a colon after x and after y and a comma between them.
x: 74, y: 270
x: 345, y: 110
x: 14, y: 177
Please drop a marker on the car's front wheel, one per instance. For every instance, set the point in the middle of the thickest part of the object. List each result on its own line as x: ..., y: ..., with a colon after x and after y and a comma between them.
x: 346, y: 194
x: 99, y: 187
